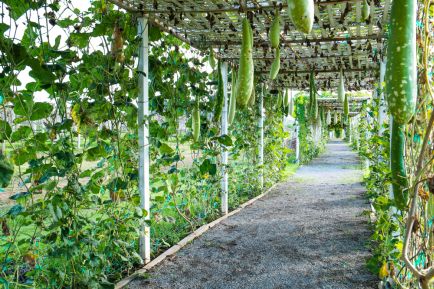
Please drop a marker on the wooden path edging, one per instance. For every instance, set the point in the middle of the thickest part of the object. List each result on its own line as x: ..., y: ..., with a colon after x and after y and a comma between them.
x: 188, y: 239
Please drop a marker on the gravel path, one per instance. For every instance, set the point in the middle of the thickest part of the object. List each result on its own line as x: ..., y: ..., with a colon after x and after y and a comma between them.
x: 307, y: 233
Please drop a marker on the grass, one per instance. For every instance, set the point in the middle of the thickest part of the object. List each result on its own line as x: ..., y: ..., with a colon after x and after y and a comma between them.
x: 289, y: 170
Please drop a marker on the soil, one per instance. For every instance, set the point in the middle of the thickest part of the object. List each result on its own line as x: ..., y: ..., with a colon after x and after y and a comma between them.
x: 308, y: 232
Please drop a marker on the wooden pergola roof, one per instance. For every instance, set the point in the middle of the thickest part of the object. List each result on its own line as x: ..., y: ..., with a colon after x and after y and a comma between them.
x: 333, y: 104
x: 339, y: 38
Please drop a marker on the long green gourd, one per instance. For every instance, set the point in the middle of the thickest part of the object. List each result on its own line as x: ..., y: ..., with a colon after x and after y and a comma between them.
x: 401, y: 74
x: 301, y: 12
x: 279, y: 100
x: 366, y: 10
x: 346, y: 106
x: 341, y: 87
x: 246, y: 69
x: 196, y: 121
x: 274, y: 33
x: 212, y: 61
x: 275, y: 66
x: 218, y: 108
x: 315, y: 108
x: 401, y: 88
x: 286, y: 99
x: 233, y: 100
x: 397, y: 165
x: 252, y: 98
x: 313, y: 102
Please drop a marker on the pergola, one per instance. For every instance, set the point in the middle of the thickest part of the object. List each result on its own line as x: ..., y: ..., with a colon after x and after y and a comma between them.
x: 340, y: 39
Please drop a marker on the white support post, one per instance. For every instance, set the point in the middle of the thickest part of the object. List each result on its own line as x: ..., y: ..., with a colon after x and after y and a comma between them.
x: 224, y: 130
x: 261, y: 131
x: 143, y: 111
x: 79, y: 140
x: 382, y: 110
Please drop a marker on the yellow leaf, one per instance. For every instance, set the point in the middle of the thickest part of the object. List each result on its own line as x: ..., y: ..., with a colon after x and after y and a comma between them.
x: 399, y: 246
x: 383, y: 271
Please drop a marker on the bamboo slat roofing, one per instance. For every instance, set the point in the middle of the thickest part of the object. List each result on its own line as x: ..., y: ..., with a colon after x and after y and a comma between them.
x: 339, y: 38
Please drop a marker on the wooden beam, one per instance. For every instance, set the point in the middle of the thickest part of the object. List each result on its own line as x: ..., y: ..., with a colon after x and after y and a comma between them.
x: 289, y: 41
x: 295, y: 58
x: 318, y: 71
x: 131, y: 8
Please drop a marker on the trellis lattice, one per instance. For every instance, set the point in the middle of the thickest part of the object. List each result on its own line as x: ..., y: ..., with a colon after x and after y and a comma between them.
x: 339, y: 38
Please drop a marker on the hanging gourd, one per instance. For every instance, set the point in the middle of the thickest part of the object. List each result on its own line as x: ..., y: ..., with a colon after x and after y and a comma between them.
x: 336, y: 118
x: 346, y: 106
x: 212, y: 61
x: 313, y: 103
x: 286, y: 99
x: 218, y: 108
x: 275, y: 66
x: 341, y: 87
x: 244, y: 85
x: 366, y: 10
x: 233, y: 99
x: 274, y: 33
x: 329, y: 118
x: 401, y: 73
x: 279, y: 100
x: 401, y: 88
x: 196, y: 121
x: 301, y: 13
x: 397, y: 165
x: 252, y: 98
x: 315, y: 109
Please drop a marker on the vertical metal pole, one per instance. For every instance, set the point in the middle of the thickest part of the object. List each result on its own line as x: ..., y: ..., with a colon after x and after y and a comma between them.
x: 382, y: 110
x: 143, y: 110
x: 224, y: 130
x: 261, y: 131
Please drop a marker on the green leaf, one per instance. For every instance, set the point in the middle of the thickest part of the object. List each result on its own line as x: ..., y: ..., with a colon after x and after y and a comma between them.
x: 3, y: 28
x: 5, y: 130
x: 207, y: 167
x: 154, y: 33
x: 19, y: 196
x: 41, y: 110
x: 225, y: 140
x: 16, y: 210
x: 166, y: 149
x: 21, y: 133
x: 6, y: 172
x: 23, y: 104
x: 95, y: 153
x: 23, y: 155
